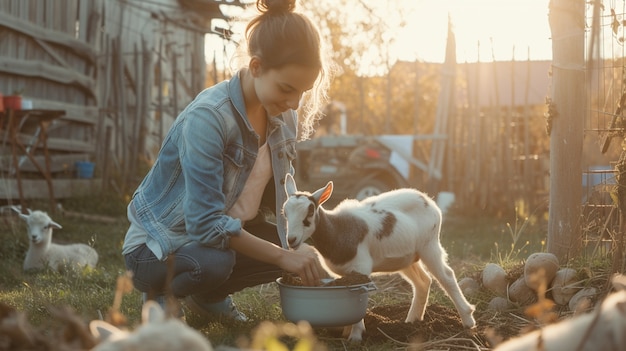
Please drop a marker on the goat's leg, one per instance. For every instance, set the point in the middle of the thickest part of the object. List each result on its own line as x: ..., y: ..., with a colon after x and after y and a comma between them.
x: 434, y: 259
x: 420, y: 281
x: 354, y: 332
x: 357, y: 329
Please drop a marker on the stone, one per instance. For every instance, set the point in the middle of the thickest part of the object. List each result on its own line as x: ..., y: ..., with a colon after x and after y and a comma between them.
x: 540, y: 267
x: 582, y: 300
x: 520, y: 293
x: 469, y: 286
x: 564, y: 286
x: 499, y: 304
x: 494, y: 279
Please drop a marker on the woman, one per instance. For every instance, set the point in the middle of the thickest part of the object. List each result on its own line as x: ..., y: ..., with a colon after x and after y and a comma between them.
x: 199, y: 225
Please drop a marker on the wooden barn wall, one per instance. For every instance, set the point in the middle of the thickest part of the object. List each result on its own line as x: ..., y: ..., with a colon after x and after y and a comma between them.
x: 154, y: 68
x: 121, y: 69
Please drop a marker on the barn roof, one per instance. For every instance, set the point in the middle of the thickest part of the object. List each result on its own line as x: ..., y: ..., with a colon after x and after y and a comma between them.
x: 200, y: 13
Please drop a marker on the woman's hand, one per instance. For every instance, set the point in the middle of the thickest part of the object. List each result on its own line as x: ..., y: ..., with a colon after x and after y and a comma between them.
x: 305, y: 262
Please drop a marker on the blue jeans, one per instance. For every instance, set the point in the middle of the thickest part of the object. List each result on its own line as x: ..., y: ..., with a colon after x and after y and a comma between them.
x: 209, y: 273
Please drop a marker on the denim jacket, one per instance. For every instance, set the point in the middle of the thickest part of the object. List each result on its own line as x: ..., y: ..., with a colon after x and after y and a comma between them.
x: 202, y: 167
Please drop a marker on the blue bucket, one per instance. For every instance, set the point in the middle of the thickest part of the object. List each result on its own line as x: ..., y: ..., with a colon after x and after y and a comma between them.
x: 84, y: 169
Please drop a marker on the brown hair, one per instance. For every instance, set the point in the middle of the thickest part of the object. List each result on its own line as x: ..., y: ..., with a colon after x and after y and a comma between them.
x: 279, y: 36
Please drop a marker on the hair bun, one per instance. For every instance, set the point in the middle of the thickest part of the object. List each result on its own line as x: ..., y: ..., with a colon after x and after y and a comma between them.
x: 275, y: 6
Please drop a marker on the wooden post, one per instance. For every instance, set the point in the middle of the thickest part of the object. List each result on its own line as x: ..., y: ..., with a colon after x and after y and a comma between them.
x: 567, y: 23
x: 529, y: 187
x: 121, y: 110
x: 160, y: 94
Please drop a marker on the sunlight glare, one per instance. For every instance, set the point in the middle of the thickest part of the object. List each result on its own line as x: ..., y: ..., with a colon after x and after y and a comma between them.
x: 511, y: 29
x: 485, y: 30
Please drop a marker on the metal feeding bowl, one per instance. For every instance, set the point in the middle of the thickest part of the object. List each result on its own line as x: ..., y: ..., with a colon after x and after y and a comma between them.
x: 326, y: 305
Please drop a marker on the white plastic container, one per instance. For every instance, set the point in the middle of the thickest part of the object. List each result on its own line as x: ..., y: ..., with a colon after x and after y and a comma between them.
x: 27, y: 104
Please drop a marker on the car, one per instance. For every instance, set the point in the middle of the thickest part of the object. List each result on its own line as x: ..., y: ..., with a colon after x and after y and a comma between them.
x: 359, y: 166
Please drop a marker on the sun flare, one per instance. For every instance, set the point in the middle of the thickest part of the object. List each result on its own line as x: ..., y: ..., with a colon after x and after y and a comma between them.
x: 504, y: 29
x: 418, y: 29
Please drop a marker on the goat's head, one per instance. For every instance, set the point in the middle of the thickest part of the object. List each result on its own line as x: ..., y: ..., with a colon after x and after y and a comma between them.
x: 301, y: 210
x: 39, y: 226
x: 156, y: 333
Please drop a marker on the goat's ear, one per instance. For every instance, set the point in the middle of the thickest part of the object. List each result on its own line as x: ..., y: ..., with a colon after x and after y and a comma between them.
x: 290, y: 185
x: 102, y: 330
x: 55, y: 225
x: 23, y: 216
x: 323, y: 194
x: 152, y: 312
x: 619, y: 282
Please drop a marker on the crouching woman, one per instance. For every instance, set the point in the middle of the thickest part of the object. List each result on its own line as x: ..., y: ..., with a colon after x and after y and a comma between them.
x: 202, y: 206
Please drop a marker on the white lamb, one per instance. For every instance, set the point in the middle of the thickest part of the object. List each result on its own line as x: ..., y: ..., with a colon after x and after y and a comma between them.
x: 396, y: 231
x: 43, y: 252
x: 602, y: 329
x: 156, y: 333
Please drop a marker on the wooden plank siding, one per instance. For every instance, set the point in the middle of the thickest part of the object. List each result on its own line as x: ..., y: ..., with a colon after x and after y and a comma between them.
x: 41, y: 55
x: 121, y: 69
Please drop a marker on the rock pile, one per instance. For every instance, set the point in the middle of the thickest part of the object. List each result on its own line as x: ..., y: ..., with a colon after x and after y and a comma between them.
x: 542, y: 276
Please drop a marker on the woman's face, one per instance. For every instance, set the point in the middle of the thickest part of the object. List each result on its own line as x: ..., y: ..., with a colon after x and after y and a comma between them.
x: 281, y: 89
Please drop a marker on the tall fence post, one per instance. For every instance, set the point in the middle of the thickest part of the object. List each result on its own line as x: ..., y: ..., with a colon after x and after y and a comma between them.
x: 565, y: 125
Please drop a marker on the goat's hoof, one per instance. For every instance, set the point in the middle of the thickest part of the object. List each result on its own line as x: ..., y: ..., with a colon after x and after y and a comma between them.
x: 470, y: 323
x: 351, y: 335
x: 413, y: 320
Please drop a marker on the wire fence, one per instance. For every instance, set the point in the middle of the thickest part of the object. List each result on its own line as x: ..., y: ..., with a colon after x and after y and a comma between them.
x: 604, y: 150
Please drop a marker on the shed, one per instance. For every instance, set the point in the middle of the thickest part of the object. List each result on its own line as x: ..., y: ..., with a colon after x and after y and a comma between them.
x: 119, y: 72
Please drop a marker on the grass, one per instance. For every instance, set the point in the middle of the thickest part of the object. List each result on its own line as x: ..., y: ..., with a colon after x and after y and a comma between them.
x: 481, y: 239
x: 89, y: 292
x: 471, y: 241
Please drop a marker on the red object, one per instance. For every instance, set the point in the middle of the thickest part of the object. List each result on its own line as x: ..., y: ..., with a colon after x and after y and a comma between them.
x: 13, y: 102
x: 372, y: 153
x: 1, y: 103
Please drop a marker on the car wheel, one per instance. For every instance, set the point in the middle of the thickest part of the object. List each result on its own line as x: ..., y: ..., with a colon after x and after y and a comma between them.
x: 369, y: 188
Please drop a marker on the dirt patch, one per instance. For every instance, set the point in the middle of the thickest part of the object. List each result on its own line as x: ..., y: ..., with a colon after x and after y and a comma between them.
x: 385, y: 322
x: 441, y: 328
x: 441, y: 325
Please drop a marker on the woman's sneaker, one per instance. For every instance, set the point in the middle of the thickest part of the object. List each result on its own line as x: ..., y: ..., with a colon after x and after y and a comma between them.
x: 225, y: 308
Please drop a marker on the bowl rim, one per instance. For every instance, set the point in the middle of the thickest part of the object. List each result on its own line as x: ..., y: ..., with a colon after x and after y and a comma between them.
x: 370, y: 285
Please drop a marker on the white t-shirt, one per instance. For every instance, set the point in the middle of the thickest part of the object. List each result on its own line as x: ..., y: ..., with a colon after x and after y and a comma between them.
x: 247, y: 204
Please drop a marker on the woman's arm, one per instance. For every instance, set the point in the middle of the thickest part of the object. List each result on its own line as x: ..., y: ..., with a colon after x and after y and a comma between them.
x: 305, y: 264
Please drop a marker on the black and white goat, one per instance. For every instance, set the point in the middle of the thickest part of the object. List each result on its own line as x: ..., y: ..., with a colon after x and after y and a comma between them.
x: 396, y: 231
